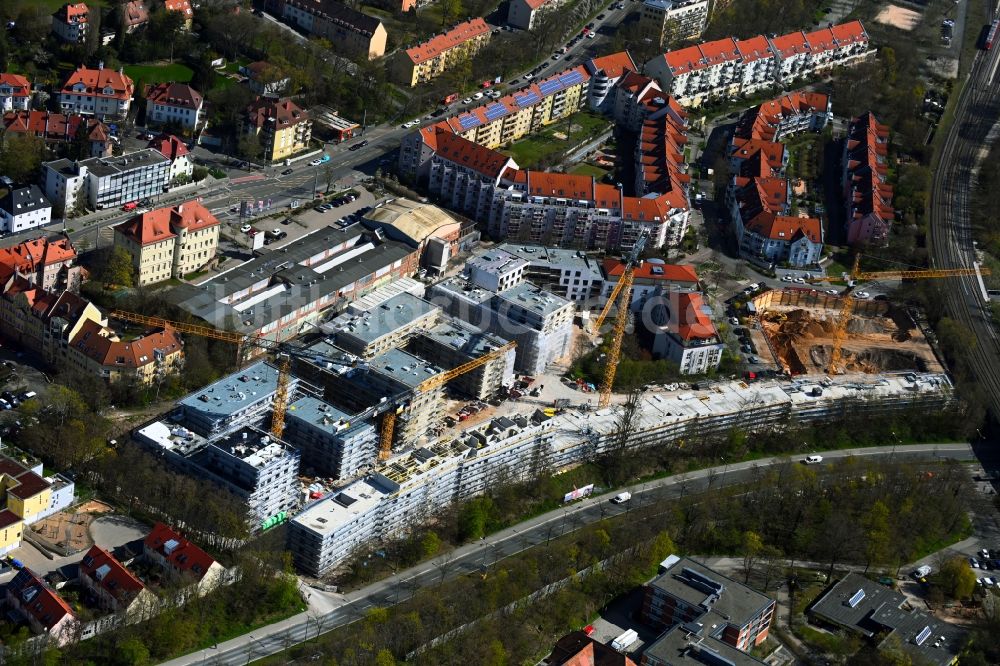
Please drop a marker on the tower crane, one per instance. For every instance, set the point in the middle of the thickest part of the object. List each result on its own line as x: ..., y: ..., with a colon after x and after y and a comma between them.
x: 624, y: 286
x: 857, y: 275
x: 387, y: 408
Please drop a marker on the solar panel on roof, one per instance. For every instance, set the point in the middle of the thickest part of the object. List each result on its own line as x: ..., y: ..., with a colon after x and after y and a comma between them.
x: 469, y: 121
x: 527, y: 98
x: 495, y: 110
x: 550, y: 86
x: 571, y: 78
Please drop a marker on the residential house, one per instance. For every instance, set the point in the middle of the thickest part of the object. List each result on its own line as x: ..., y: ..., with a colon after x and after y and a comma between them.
x: 263, y: 78
x: 681, y: 328
x: 867, y: 192
x: 48, y: 263
x: 524, y: 14
x: 103, y: 93
x: 670, y: 21
x: 11, y: 531
x: 173, y: 103
x: 430, y: 59
x: 182, y: 7
x: 176, y: 151
x: 61, y: 130
x: 183, y: 560
x: 44, y: 610
x: 27, y: 497
x: 24, y: 207
x: 169, y: 242
x: 70, y: 21
x: 348, y: 30
x: 282, y: 127
x: 649, y: 277
x: 98, y: 350
x: 15, y: 92
x: 135, y: 14
x: 605, y: 73
x: 116, y: 588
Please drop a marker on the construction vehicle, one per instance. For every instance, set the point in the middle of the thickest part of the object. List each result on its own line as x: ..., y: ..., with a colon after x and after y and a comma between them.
x: 857, y: 276
x: 387, y: 408
x: 622, y: 291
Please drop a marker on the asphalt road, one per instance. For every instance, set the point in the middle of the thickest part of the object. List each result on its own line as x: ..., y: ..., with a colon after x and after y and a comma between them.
x: 329, y: 611
x: 952, y: 245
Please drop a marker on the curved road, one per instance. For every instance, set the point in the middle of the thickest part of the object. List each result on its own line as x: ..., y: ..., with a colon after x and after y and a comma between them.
x: 330, y: 611
x: 965, y: 145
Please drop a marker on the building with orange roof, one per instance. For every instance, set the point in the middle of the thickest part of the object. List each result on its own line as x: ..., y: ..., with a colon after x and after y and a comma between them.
x: 174, y: 103
x: 15, y: 92
x: 728, y: 67
x: 790, y: 114
x: 116, y: 588
x: 630, y: 96
x: 60, y: 128
x: 69, y: 23
x: 428, y: 60
x: 605, y: 73
x: 182, y: 7
x: 579, y: 649
x: 282, y: 127
x: 182, y: 559
x: 348, y: 30
x: 867, y: 192
x: 41, y: 607
x: 49, y: 263
x: 102, y: 93
x: 175, y: 150
x: 135, y: 14
x: 98, y: 350
x: 650, y: 277
x: 670, y: 21
x: 680, y: 323
x: 523, y: 13
x: 463, y: 174
x: 169, y: 242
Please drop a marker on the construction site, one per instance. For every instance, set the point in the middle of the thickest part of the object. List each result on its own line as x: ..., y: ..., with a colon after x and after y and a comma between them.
x: 800, y: 328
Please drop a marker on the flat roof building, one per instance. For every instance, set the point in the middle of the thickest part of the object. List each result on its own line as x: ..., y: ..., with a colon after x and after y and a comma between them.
x: 384, y: 326
x: 685, y: 645
x: 571, y: 274
x: 243, y: 396
x: 331, y: 442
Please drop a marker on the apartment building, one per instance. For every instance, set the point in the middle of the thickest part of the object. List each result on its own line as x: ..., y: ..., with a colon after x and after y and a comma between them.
x: 182, y: 560
x: 454, y: 342
x: 70, y: 21
x: 116, y: 589
x: 24, y: 207
x: 409, y: 487
x: 98, y: 350
x: 571, y: 274
x: 680, y: 325
x: 428, y: 60
x: 182, y: 7
x: 524, y: 14
x: 175, y: 104
x: 105, y: 182
x: 15, y: 92
x: 169, y: 242
x: 660, y: 169
x: 605, y: 73
x: 102, y: 93
x: 687, y: 592
x: 375, y: 331
x: 330, y: 441
x: 539, y: 321
x: 282, y: 127
x: 668, y: 22
x: 134, y: 15
x: 649, y: 277
x: 462, y: 174
x: 350, y: 31
x: 577, y: 648
x: 787, y: 115
x: 27, y: 497
x: 59, y: 129
x: 689, y: 645
x: 47, y: 263
x: 729, y: 67
x: 279, y: 298
x: 265, y: 79
x: 30, y: 599
x: 867, y: 192
x: 501, y: 121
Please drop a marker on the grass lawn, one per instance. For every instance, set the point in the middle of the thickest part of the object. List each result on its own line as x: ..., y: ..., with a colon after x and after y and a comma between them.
x: 544, y: 145
x: 589, y: 170
x: 159, y: 73
x: 53, y: 5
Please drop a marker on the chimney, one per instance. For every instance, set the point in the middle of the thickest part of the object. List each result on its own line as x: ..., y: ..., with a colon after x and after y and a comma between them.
x: 100, y: 65
x: 180, y: 208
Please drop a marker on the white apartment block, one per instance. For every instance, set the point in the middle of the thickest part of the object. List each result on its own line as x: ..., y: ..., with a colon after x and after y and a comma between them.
x: 407, y: 489
x: 15, y: 93
x: 69, y: 23
x: 605, y: 73
x: 565, y: 272
x: 729, y: 67
x: 102, y: 93
x: 175, y: 103
x: 106, y: 182
x: 524, y: 14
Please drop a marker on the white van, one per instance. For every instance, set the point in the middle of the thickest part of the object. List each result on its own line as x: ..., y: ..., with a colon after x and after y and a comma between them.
x: 621, y: 498
x: 812, y: 460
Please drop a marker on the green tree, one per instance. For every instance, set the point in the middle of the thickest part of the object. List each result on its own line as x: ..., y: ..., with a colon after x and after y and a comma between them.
x: 132, y: 652
x: 661, y: 548
x: 956, y: 578
x: 451, y: 10
x: 878, y: 535
x: 249, y: 147
x: 473, y: 518
x: 752, y: 547
x: 430, y: 545
x: 385, y: 658
x: 118, y: 269
x: 21, y: 156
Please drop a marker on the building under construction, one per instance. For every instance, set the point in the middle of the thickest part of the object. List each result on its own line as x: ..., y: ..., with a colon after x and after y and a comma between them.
x: 799, y: 328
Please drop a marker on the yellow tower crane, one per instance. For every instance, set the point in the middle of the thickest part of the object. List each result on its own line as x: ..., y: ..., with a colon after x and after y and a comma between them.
x: 623, y: 292
x: 857, y: 275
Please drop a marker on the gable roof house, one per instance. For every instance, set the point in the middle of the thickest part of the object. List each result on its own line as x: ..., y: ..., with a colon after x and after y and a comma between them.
x: 97, y: 349
x: 116, y: 588
x: 182, y: 559
x: 44, y: 610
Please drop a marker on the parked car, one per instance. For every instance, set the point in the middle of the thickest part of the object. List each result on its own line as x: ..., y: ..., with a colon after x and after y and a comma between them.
x: 246, y: 228
x: 812, y: 460
x: 277, y: 234
x: 862, y: 294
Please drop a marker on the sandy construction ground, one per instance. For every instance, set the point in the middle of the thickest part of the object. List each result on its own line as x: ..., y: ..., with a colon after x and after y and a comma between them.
x: 898, y: 17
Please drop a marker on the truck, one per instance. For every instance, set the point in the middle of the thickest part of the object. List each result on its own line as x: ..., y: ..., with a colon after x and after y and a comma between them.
x: 623, y: 642
x: 621, y: 498
x: 448, y: 99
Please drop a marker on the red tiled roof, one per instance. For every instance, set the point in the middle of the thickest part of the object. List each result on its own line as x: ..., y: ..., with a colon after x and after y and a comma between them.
x: 481, y: 159
x: 692, y: 322
x: 563, y: 185
x: 26, y: 484
x: 284, y: 111
x: 28, y: 256
x: 613, y: 65
x: 180, y: 95
x: 37, y: 599
x: 21, y: 87
x: 614, y: 268
x: 867, y: 169
x: 755, y: 48
x: 849, y: 33
x: 169, y: 145
x: 97, y: 343
x: 182, y: 6
x: 700, y: 56
x: 786, y: 227
x: 184, y: 555
x: 96, y: 81
x: 791, y: 44
x: 53, y: 126
x: 578, y: 649
x: 108, y: 573
x: 72, y: 12
x: 761, y: 122
x: 438, y: 44
x: 135, y: 13
x: 160, y: 224
x: 535, y: 4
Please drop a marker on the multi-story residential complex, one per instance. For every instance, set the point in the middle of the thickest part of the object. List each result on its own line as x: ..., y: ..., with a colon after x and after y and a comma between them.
x: 649, y: 277
x: 524, y: 14
x: 404, y: 490
x: 567, y: 273
x: 182, y: 560
x: 27, y: 497
x: 729, y: 67
x: 687, y: 592
x: 605, y: 73
x: 48, y: 263
x: 680, y: 323
x: 454, y: 342
x: 577, y: 648
x: 349, y: 30
x: 97, y: 350
x: 173, y: 103
x: 169, y: 242
x: 116, y: 588
x: 429, y: 60
x: 868, y: 194
x: 689, y: 645
x: 134, y: 15
x: 501, y: 121
x: 28, y: 597
x: 69, y: 23
x: 24, y: 207
x: 251, y: 464
x: 539, y: 321
x: 330, y: 441
x: 279, y: 296
x: 887, y: 618
x: 182, y: 7
x: 667, y: 21
x: 59, y: 130
x: 175, y: 150
x: 15, y: 92
x: 368, y: 333
x: 103, y: 93
x: 759, y: 197
x: 281, y: 126
x: 105, y: 182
